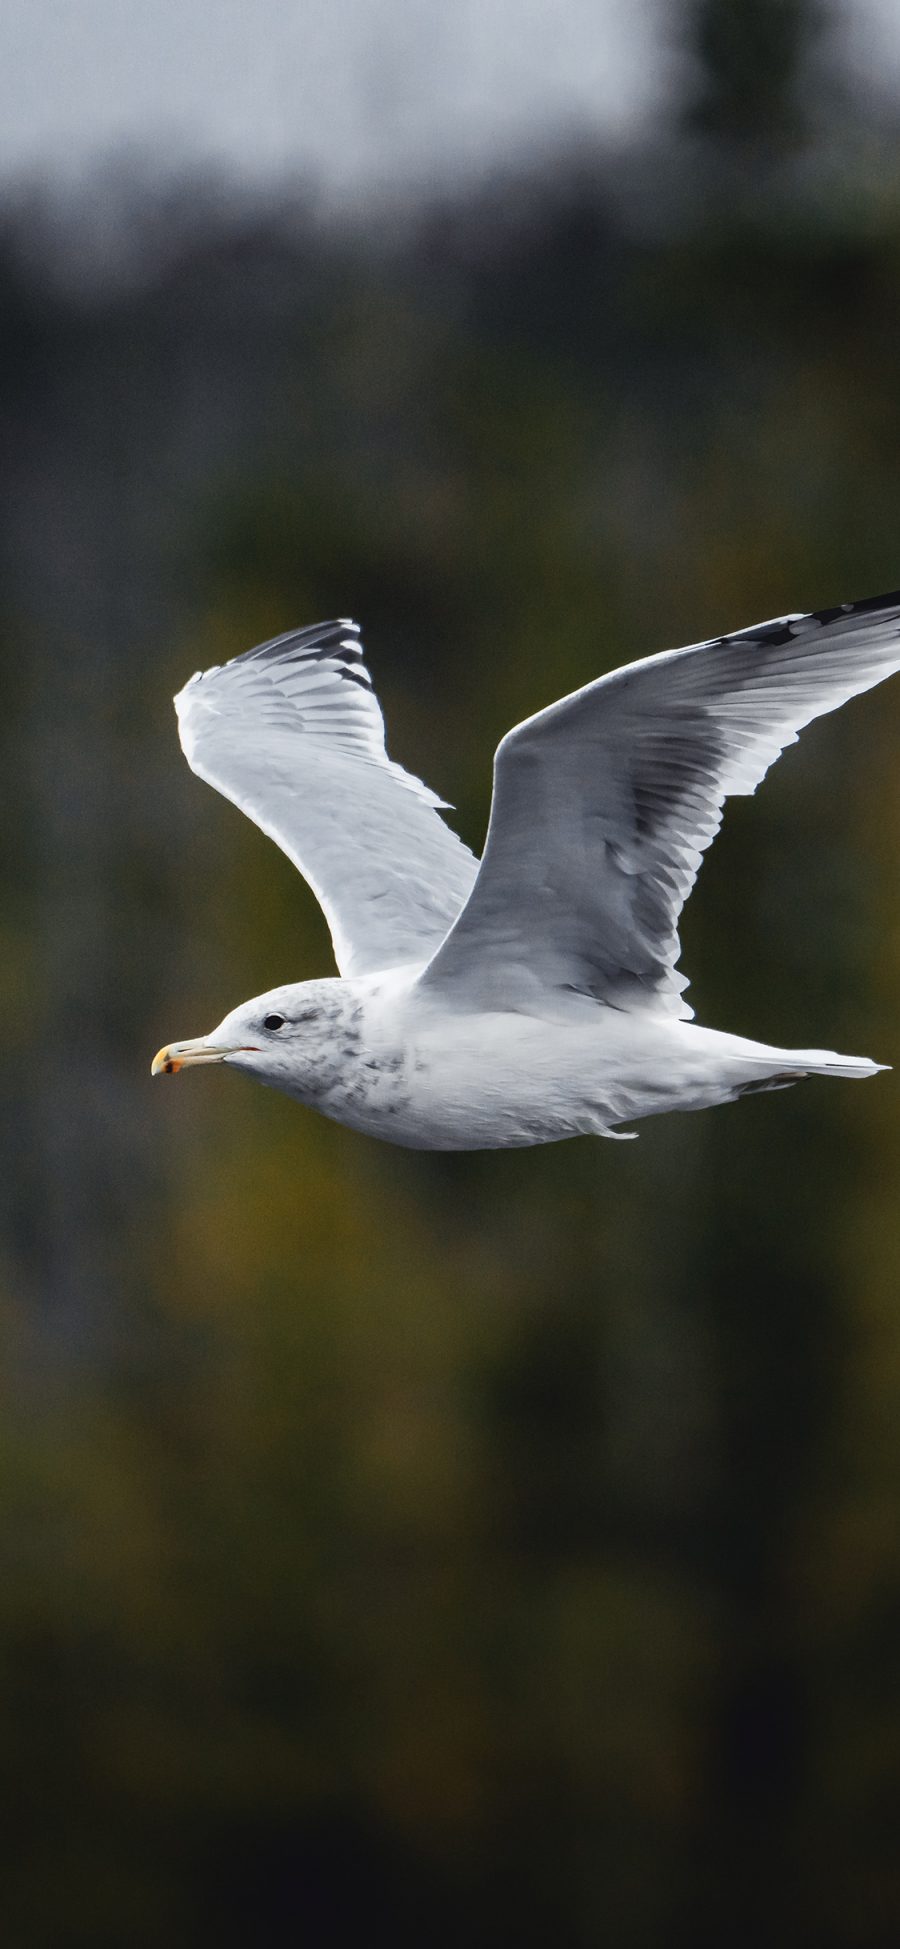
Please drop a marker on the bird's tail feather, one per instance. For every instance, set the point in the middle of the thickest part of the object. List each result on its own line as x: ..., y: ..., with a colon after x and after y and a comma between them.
x: 799, y: 1063
x: 824, y: 1062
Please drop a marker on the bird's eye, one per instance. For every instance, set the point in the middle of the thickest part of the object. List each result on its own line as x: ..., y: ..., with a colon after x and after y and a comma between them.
x: 273, y: 1022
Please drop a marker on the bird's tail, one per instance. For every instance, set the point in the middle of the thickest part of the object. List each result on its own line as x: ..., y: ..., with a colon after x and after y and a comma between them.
x: 824, y: 1062
x: 794, y: 1064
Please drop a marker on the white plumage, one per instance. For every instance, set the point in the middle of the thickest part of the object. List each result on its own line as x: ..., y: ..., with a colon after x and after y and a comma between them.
x: 536, y: 995
x: 293, y: 734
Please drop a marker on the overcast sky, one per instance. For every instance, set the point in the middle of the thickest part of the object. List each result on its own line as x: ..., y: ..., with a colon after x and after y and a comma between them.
x: 342, y: 91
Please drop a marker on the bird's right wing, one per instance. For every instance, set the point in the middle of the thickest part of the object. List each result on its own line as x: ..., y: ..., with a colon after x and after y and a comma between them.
x: 604, y: 804
x: 292, y: 733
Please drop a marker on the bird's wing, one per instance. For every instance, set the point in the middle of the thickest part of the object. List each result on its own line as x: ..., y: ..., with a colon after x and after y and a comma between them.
x: 604, y: 803
x: 293, y: 735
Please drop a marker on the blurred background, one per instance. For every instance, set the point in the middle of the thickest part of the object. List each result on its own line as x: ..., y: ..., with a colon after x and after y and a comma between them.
x: 401, y: 1548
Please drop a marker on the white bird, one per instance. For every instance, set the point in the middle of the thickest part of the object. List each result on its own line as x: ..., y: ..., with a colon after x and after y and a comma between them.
x: 535, y: 995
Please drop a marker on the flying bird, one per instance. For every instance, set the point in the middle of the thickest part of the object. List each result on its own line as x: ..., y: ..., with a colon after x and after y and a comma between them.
x: 535, y: 994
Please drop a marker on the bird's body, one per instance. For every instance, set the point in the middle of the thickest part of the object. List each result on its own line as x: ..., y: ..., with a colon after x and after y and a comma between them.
x: 535, y: 997
x: 373, y: 1052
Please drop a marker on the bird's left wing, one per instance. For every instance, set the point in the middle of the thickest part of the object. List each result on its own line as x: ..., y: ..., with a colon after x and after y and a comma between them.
x: 292, y: 733
x: 604, y: 804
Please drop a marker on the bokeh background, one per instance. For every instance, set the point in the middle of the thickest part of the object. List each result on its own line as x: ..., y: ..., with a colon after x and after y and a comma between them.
x: 415, y: 1549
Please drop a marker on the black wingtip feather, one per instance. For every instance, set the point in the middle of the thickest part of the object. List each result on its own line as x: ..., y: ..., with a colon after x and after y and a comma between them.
x: 784, y: 629
x: 322, y: 639
x: 867, y: 606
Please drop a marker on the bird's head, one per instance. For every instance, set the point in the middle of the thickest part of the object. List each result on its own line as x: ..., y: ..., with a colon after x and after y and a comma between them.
x: 285, y: 1038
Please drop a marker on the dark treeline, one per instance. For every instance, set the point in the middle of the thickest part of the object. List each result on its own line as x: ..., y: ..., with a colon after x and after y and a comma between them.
x: 475, y: 1549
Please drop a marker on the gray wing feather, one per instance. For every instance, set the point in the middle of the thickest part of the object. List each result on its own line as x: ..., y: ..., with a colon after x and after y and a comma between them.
x: 292, y: 733
x: 605, y: 803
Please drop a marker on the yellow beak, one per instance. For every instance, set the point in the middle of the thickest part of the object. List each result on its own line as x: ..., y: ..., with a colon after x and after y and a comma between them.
x: 181, y: 1055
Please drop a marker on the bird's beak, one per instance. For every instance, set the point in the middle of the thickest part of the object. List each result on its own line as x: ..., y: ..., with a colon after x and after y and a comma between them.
x: 181, y: 1055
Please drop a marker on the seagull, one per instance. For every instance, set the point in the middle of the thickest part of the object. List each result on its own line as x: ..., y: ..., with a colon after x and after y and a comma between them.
x: 533, y: 995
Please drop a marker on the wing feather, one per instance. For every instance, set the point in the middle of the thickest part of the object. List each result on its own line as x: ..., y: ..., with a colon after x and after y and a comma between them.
x: 605, y: 803
x: 292, y: 733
